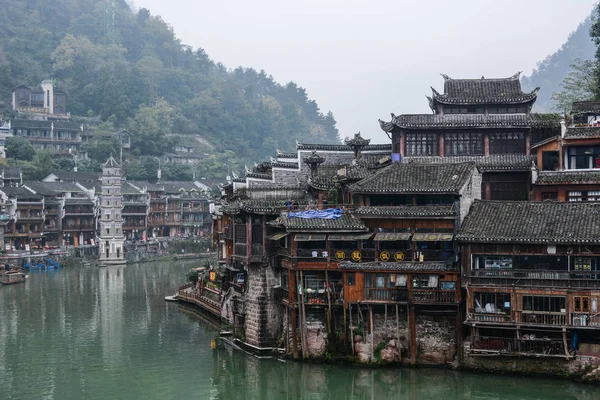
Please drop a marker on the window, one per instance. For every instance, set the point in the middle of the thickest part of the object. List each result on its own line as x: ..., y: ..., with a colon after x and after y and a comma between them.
x: 544, y: 304
x: 350, y: 279
x: 458, y: 144
x: 550, y: 196
x: 507, y: 143
x: 493, y: 262
x: 590, y: 195
x: 425, y: 281
x: 583, y: 263
x: 493, y: 303
x: 581, y: 304
x: 421, y: 144
x: 582, y: 157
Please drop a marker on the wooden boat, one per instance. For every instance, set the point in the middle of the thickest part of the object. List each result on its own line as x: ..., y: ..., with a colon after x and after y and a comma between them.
x: 12, y: 277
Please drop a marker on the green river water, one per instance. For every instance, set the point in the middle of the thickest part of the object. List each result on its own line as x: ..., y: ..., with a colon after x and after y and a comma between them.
x: 107, y: 333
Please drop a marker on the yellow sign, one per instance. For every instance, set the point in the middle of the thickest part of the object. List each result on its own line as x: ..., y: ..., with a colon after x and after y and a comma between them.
x: 340, y: 254
x: 356, y: 256
x: 40, y: 110
x: 212, y: 276
x: 213, y: 344
x: 384, y: 256
x: 399, y: 256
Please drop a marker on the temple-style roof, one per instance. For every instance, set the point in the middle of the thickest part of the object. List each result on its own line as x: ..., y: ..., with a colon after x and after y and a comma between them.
x: 492, y: 163
x: 111, y: 163
x: 75, y: 201
x: 357, y: 141
x: 286, y: 165
x: 396, y: 266
x: 417, y: 178
x: 470, y: 121
x: 568, y: 177
x: 585, y: 107
x: 342, y: 147
x: 10, y: 172
x: 586, y: 132
x: 20, y: 193
x: 484, y: 91
x: 314, y: 159
x: 271, y: 207
x: 532, y: 222
x: 428, y: 211
x: 347, y: 223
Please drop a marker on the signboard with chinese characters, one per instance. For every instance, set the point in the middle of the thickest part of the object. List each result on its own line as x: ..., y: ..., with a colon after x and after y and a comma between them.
x: 37, y: 110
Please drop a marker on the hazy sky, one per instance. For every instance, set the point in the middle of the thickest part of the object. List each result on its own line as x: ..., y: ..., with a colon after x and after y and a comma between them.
x: 366, y: 59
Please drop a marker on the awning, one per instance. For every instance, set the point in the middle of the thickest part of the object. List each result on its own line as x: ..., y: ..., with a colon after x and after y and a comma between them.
x: 433, y: 237
x: 390, y: 236
x: 349, y: 237
x: 302, y: 237
x: 278, y: 235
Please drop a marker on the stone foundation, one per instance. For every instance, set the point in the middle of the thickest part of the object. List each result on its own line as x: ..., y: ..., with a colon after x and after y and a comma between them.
x: 263, y: 320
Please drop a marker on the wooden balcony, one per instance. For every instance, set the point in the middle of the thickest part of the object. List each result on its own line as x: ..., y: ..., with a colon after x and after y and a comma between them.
x: 542, y: 318
x: 388, y: 294
x: 538, y: 278
x: 433, y: 296
x: 528, y: 345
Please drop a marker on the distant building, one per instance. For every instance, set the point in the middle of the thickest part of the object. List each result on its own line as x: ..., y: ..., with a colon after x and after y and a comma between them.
x: 62, y: 136
x: 41, y: 99
x: 111, y: 235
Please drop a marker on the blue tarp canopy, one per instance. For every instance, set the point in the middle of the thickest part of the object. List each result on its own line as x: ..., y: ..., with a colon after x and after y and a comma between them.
x: 331, y: 213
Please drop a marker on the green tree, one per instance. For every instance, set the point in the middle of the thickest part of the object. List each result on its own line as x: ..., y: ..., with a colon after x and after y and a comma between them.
x: 580, y: 84
x: 19, y: 148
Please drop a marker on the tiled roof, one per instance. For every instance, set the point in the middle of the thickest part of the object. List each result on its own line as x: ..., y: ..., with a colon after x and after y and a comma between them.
x: 484, y: 91
x: 287, y: 155
x: 532, y: 222
x: 11, y: 172
x: 20, y: 193
x: 278, y: 164
x: 322, y: 182
x: 416, y: 178
x: 111, y: 163
x: 255, y: 207
x: 173, y: 187
x: 582, y: 132
x: 257, y: 175
x: 58, y: 125
x: 347, y: 222
x: 341, y: 147
x: 127, y: 188
x: 71, y: 176
x: 396, y: 266
x: 570, y: 176
x: 471, y: 121
x: 584, y: 107
x: 492, y: 163
x: 436, y: 211
x: 53, y: 188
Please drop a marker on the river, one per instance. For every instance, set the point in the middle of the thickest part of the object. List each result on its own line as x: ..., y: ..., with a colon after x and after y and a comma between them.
x: 107, y: 333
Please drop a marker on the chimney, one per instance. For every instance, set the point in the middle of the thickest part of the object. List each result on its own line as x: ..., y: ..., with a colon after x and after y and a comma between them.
x: 563, y: 128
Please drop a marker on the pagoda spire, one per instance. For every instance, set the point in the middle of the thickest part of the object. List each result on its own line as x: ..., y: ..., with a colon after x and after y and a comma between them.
x: 357, y: 143
x: 313, y: 161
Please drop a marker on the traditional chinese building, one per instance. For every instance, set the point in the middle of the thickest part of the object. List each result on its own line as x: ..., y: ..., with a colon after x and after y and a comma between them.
x: 488, y: 121
x: 569, y: 163
x: 531, y: 278
x: 41, y: 99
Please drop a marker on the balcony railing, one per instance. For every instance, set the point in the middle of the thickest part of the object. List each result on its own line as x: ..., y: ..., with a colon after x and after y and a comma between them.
x: 545, y: 278
x: 585, y: 319
x: 240, y: 250
x: 529, y: 344
x: 433, y: 296
x: 489, y: 317
x: 391, y: 294
x: 542, y: 318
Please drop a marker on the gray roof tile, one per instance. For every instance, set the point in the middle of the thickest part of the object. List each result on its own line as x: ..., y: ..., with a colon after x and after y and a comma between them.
x: 532, y: 222
x: 416, y: 178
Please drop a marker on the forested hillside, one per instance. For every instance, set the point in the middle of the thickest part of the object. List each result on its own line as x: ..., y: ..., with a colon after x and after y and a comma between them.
x: 551, y: 71
x: 129, y: 70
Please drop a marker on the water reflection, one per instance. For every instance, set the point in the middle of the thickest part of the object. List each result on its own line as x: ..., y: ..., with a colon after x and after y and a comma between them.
x: 104, y: 333
x: 271, y: 379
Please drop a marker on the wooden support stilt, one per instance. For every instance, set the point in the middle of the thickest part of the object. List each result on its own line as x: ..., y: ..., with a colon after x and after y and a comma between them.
x: 564, y: 332
x: 385, y: 318
x: 398, y: 333
x: 372, y: 331
x: 351, y: 330
x: 304, y: 333
x: 518, y: 338
x: 459, y: 334
x: 361, y: 320
x: 329, y: 324
x: 413, y: 336
x: 298, y: 286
